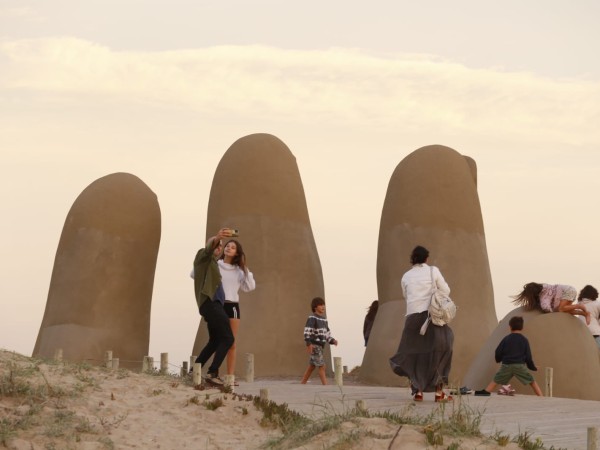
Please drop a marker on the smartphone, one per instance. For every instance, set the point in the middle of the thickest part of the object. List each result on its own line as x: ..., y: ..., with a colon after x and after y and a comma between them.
x: 234, y: 232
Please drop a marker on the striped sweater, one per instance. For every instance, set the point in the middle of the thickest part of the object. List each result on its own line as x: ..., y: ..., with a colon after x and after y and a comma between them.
x: 316, y: 331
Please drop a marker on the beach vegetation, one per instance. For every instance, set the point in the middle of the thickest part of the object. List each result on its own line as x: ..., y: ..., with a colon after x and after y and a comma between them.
x: 501, y: 439
x: 526, y: 441
x: 214, y: 404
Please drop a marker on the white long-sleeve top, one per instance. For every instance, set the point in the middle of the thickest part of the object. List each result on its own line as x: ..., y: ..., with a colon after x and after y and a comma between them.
x: 593, y: 306
x: 416, y: 287
x: 234, y: 279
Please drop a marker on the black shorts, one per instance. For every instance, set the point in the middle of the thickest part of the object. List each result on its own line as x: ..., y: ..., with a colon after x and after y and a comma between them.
x: 232, y: 309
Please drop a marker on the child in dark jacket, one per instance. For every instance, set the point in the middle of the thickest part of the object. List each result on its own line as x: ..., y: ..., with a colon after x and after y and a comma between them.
x: 515, y: 355
x: 316, y: 335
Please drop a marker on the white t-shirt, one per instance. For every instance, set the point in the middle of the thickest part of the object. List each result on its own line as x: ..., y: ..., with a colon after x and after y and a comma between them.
x: 416, y: 287
x: 593, y: 306
x: 234, y: 279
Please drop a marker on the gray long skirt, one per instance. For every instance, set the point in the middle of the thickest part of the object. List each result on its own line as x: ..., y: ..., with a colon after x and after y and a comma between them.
x: 425, y: 360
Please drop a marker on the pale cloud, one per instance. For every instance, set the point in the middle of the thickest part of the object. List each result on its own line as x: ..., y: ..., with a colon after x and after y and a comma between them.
x: 344, y: 87
x: 20, y: 12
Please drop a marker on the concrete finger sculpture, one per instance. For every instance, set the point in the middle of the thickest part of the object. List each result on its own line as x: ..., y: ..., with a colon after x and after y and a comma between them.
x: 257, y: 189
x: 557, y: 340
x: 101, y: 288
x: 432, y: 201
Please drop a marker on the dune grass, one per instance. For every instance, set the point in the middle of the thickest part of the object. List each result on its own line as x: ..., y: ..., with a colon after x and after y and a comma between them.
x: 443, y: 428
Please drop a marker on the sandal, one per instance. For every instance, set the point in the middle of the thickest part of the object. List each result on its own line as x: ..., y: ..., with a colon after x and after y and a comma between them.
x: 418, y: 397
x: 506, y: 390
x: 442, y: 397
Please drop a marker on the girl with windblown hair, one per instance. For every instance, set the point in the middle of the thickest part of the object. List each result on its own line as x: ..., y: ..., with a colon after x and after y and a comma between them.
x: 235, y: 276
x: 550, y: 298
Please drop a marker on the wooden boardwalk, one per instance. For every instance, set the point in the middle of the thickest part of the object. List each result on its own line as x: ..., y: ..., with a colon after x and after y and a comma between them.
x: 559, y: 422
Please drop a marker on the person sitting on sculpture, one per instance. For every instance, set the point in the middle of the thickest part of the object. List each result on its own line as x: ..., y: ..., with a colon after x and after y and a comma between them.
x: 210, y: 297
x: 551, y: 298
x: 588, y: 296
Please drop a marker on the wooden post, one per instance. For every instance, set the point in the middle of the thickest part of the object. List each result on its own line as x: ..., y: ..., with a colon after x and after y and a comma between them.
x: 58, y: 354
x: 184, y: 369
x: 148, y: 364
x: 108, y: 359
x: 548, y: 382
x: 345, y: 370
x: 115, y: 364
x: 592, y: 438
x: 197, y: 374
x: 249, y: 367
x: 337, y: 364
x: 164, y: 363
x: 228, y: 382
x: 361, y: 404
x: 264, y: 394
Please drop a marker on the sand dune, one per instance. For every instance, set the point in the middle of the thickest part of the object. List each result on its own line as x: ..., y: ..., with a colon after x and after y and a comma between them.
x: 48, y: 405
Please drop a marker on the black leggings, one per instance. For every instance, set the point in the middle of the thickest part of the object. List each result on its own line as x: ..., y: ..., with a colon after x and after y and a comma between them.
x: 220, y: 337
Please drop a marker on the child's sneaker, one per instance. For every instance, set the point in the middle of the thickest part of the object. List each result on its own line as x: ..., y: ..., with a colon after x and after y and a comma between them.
x: 506, y: 390
x: 462, y: 391
x: 482, y: 393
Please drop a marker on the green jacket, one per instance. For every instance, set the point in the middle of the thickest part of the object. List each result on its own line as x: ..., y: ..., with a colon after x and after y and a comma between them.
x: 207, y: 276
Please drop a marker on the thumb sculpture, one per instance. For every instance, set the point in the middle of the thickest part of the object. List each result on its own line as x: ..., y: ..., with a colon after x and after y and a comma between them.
x: 257, y: 189
x: 101, y: 288
x: 432, y: 201
x: 557, y: 340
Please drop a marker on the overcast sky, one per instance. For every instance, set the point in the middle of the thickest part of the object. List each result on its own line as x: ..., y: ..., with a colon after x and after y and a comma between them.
x: 162, y: 89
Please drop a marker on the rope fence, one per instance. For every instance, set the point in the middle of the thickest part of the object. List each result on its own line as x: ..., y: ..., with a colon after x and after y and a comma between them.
x: 148, y: 365
x: 191, y: 368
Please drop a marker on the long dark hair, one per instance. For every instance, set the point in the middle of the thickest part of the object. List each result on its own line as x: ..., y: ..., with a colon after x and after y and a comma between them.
x: 372, y: 310
x: 529, y: 297
x: 240, y: 257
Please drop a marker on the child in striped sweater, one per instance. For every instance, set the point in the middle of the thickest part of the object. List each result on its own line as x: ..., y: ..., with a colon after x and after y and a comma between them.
x: 316, y: 335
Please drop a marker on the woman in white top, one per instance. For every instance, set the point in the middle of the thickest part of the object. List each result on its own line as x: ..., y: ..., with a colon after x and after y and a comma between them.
x: 588, y: 296
x: 234, y: 276
x: 424, y: 359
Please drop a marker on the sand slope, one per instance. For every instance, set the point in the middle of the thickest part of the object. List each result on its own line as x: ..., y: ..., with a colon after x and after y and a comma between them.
x: 47, y: 405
